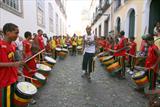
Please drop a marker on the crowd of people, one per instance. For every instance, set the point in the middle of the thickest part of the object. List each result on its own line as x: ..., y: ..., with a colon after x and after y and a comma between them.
x: 15, y: 50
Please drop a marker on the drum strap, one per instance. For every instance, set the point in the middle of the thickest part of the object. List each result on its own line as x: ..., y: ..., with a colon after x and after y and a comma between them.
x: 7, y: 96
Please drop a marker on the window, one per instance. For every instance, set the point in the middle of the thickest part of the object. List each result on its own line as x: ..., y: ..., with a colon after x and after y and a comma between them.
x: 13, y: 6
x: 99, y: 30
x: 40, y: 12
x: 50, y: 13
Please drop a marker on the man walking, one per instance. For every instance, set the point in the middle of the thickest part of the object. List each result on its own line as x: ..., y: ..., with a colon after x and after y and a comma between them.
x: 89, y: 53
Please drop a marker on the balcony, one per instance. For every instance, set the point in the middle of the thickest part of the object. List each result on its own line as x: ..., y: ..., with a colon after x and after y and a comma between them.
x: 61, y: 7
x: 117, y: 4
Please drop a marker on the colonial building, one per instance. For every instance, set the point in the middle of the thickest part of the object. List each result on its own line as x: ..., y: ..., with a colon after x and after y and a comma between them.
x: 30, y: 15
x: 102, y: 17
x: 135, y: 17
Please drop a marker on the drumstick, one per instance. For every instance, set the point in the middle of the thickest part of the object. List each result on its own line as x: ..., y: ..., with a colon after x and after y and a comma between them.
x: 34, y: 55
x: 29, y: 77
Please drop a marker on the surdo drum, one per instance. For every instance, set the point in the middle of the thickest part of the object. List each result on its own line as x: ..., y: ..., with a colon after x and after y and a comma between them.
x: 41, y: 80
x: 49, y: 61
x: 24, y: 93
x: 43, y: 69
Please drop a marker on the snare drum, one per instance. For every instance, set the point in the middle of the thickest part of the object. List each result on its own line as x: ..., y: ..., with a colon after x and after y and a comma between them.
x: 41, y: 80
x: 43, y: 69
x: 49, y: 61
x: 140, y: 78
x: 24, y: 93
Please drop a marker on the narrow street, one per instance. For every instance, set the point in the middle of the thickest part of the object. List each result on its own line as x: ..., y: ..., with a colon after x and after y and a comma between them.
x: 66, y: 88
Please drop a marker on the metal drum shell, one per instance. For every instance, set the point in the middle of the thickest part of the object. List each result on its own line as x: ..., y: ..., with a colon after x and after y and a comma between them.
x: 142, y: 81
x: 113, y: 67
x: 21, y: 99
x: 107, y: 58
x: 107, y: 63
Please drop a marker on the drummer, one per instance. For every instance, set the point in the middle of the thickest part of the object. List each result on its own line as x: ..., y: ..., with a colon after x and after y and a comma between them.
x: 132, y: 51
x: 79, y: 41
x: 53, y: 46
x: 8, y: 66
x: 30, y: 67
x: 152, y: 61
x: 121, y: 51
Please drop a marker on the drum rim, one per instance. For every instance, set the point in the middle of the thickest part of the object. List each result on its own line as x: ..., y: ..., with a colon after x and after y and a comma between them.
x: 41, y: 75
x: 43, y: 69
x: 140, y: 77
x: 26, y: 93
x: 54, y: 61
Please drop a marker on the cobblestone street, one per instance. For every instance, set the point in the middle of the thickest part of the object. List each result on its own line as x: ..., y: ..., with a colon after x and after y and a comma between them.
x: 66, y: 88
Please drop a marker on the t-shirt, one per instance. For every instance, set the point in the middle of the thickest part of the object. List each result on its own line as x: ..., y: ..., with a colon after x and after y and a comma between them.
x: 41, y: 42
x: 90, y: 48
x: 152, y: 57
x: 120, y: 45
x: 8, y: 75
x: 132, y: 50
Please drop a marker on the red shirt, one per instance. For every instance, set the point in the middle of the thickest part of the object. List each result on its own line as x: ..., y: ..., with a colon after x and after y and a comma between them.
x: 41, y: 42
x: 31, y: 64
x: 132, y: 50
x: 120, y: 45
x: 8, y: 75
x: 152, y: 57
x: 27, y: 48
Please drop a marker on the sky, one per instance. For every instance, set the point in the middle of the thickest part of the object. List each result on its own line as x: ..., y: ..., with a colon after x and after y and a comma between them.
x: 77, y: 16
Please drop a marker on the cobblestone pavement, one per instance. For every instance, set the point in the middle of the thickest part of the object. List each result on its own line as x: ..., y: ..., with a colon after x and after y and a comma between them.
x: 66, y: 88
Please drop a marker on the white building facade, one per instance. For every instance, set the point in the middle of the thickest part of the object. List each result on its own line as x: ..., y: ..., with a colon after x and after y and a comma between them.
x: 31, y: 15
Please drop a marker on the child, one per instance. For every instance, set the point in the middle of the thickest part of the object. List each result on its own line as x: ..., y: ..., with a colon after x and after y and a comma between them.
x: 30, y: 68
x: 152, y: 61
x: 121, y: 51
x: 8, y: 67
x: 132, y: 51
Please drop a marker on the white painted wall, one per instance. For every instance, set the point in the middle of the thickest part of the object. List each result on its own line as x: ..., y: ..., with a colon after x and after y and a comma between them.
x: 29, y: 20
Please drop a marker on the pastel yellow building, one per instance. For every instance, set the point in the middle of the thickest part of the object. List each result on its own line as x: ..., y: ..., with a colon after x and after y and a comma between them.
x: 135, y: 17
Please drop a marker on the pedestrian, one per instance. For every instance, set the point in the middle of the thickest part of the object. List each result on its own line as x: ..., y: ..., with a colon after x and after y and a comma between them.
x: 8, y: 66
x: 152, y: 61
x: 89, y: 47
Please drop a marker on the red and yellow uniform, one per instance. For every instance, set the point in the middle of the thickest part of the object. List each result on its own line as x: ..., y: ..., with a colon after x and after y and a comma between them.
x: 150, y: 61
x: 41, y: 42
x: 120, y: 45
x: 133, y: 47
x: 31, y: 64
x: 8, y: 75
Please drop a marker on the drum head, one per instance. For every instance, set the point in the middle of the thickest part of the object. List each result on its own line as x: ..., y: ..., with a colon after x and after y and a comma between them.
x: 26, y: 88
x: 107, y: 58
x: 43, y: 67
x: 70, y: 47
x: 79, y: 47
x: 58, y: 49
x: 40, y: 76
x: 138, y: 74
x: 65, y: 50
x: 49, y: 59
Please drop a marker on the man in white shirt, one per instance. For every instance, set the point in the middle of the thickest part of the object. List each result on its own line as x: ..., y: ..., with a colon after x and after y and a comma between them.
x: 89, y: 53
